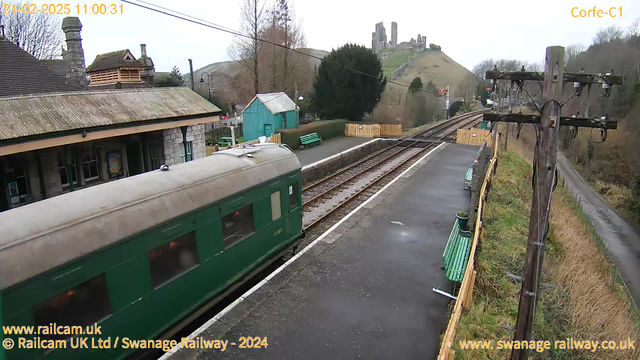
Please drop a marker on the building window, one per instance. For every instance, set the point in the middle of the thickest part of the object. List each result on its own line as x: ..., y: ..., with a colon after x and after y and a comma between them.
x: 82, y: 305
x: 293, y: 195
x: 276, y: 212
x: 189, y: 146
x: 18, y: 179
x: 89, y: 163
x: 237, y: 226
x: 157, y: 156
x: 172, y: 259
x: 62, y: 169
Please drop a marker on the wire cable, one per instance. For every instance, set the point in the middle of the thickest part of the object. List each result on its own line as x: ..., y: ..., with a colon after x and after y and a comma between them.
x: 191, y: 19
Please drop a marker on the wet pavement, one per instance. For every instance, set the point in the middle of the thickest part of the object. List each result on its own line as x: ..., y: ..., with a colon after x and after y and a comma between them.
x: 621, y: 238
x: 365, y: 289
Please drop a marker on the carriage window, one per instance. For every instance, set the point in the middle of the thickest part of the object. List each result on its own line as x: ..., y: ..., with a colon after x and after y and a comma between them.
x: 172, y: 259
x: 82, y: 306
x: 237, y: 226
x: 293, y: 195
x: 275, y: 206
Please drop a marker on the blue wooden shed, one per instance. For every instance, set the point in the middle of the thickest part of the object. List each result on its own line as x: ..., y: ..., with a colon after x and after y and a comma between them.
x: 267, y: 113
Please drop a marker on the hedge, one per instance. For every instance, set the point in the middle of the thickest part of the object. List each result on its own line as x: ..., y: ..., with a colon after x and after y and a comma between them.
x: 325, y: 128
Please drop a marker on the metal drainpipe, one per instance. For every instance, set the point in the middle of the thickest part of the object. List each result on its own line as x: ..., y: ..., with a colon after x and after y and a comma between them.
x: 67, y: 164
x: 184, y: 141
x: 43, y: 189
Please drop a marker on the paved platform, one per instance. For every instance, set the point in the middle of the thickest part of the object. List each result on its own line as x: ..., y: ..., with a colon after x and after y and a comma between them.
x: 362, y: 290
x: 329, y: 147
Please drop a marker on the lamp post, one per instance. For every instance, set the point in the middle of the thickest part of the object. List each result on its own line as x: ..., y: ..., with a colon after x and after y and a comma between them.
x: 297, y: 112
x: 208, y: 82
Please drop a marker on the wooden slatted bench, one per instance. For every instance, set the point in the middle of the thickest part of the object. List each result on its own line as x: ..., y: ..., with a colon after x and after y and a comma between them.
x: 468, y: 177
x: 456, y: 254
x: 310, y: 139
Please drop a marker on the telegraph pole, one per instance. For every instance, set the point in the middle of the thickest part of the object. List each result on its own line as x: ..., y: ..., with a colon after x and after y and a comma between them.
x: 549, y: 122
x: 545, y: 168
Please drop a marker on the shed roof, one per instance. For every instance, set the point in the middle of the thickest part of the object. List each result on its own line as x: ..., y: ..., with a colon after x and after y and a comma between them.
x: 24, y: 116
x: 113, y: 60
x: 21, y: 73
x: 276, y: 102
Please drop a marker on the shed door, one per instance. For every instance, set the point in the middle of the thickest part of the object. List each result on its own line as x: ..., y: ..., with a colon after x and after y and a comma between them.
x: 268, y: 129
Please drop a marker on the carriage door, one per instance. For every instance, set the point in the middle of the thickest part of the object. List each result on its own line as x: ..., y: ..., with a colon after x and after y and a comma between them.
x: 294, y: 217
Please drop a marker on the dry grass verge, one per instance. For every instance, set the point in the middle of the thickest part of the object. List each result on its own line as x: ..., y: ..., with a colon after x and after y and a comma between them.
x: 587, y: 302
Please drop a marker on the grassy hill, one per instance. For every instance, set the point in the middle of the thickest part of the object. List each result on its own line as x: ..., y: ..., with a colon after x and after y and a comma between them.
x: 394, y: 59
x: 430, y: 65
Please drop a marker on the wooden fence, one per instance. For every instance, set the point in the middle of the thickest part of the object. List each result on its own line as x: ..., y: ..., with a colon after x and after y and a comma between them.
x: 275, y: 138
x: 466, y: 289
x: 473, y: 136
x: 372, y: 130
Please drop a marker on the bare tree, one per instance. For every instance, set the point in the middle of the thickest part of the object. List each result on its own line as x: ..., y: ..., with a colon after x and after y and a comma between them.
x: 468, y: 87
x: 285, y: 68
x: 610, y: 34
x: 39, y: 35
x: 571, y: 53
x: 634, y: 29
x: 247, y: 51
x: 481, y: 68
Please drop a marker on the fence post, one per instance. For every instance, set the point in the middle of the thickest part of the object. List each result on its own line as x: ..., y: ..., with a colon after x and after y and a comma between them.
x: 474, y: 195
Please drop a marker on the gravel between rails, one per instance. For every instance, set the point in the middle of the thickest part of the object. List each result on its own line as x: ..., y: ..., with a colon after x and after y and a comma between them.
x: 322, y: 207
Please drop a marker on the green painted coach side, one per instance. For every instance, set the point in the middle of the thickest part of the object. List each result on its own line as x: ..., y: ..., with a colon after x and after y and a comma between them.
x: 140, y: 312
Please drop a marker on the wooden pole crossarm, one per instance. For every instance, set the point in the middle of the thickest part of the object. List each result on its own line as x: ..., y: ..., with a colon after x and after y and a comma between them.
x: 568, y: 77
x: 583, y: 78
x: 564, y: 120
x: 514, y: 75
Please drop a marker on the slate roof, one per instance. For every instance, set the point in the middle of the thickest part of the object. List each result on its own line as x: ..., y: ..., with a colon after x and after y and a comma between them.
x: 113, y: 60
x: 21, y: 73
x: 24, y: 116
x: 58, y: 66
x: 276, y: 102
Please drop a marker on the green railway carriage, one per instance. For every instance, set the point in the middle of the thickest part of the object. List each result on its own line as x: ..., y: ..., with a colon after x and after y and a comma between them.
x: 139, y: 254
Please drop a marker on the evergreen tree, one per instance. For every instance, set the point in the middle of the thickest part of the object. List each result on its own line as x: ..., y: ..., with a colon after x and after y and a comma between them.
x: 176, y: 76
x: 342, y: 93
x: 416, y: 85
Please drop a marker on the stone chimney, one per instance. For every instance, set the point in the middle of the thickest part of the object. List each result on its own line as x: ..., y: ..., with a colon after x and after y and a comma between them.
x: 149, y: 69
x: 74, y: 55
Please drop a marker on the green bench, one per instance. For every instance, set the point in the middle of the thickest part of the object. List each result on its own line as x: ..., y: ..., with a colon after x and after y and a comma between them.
x: 456, y: 254
x: 467, y: 178
x: 310, y: 139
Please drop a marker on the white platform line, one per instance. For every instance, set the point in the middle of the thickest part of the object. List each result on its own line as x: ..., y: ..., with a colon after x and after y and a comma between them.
x: 206, y: 325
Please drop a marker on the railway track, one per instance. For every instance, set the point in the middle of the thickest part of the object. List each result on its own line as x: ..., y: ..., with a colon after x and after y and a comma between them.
x: 365, y: 177
x: 352, y: 185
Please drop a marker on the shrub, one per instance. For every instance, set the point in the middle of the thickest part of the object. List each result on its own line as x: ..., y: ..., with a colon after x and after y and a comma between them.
x: 325, y: 128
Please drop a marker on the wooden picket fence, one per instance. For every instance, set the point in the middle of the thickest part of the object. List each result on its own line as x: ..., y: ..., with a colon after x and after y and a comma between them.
x: 275, y: 138
x: 466, y: 289
x: 473, y: 136
x: 372, y: 130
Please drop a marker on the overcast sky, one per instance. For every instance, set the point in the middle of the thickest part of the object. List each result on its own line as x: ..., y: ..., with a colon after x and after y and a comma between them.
x: 468, y: 31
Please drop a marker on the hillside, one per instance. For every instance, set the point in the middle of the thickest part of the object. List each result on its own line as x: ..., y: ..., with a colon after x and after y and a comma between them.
x: 430, y: 65
x: 231, y: 68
